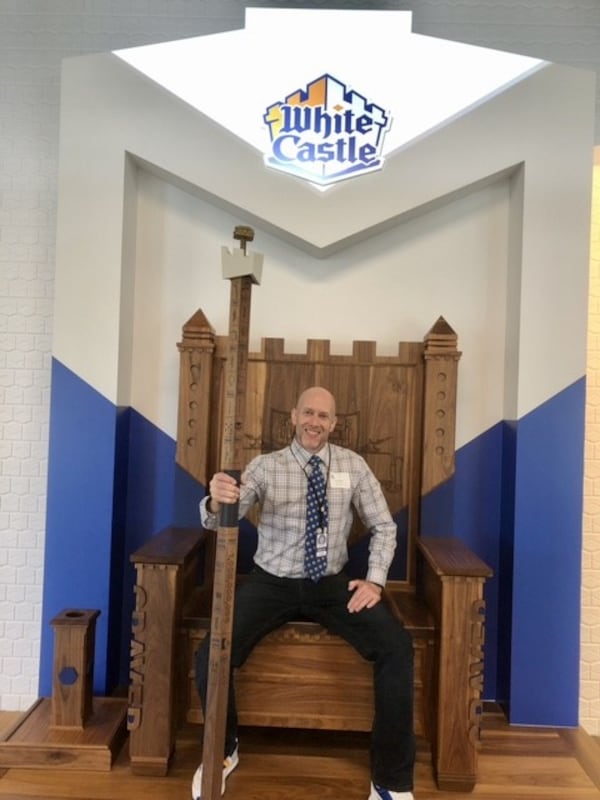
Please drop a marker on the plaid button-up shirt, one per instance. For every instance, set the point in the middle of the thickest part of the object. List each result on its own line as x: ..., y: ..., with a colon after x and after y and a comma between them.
x: 278, y: 483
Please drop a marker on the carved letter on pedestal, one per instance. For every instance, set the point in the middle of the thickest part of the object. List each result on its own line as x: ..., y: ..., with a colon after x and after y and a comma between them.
x: 137, y: 661
x: 476, y: 670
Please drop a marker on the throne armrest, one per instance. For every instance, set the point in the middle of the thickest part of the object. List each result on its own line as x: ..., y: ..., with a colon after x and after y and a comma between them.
x: 170, y: 546
x: 450, y: 581
x: 449, y: 557
x: 167, y: 568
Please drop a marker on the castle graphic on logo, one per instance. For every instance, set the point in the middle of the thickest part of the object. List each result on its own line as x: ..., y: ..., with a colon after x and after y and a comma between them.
x: 326, y: 133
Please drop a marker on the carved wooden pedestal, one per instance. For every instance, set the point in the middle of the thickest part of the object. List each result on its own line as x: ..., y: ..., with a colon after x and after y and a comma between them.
x: 73, y: 729
x: 73, y: 676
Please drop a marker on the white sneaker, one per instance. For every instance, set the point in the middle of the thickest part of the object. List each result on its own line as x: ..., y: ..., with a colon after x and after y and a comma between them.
x: 379, y: 793
x: 229, y: 764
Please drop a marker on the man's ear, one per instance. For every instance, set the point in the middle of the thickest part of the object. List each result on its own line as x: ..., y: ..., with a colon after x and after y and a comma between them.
x: 294, y: 416
x: 333, y: 424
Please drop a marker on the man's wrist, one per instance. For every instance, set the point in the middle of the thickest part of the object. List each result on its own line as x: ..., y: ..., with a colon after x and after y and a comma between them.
x: 377, y: 577
x: 209, y: 507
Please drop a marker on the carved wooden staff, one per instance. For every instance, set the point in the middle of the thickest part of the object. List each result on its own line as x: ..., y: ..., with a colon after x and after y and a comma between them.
x: 243, y: 270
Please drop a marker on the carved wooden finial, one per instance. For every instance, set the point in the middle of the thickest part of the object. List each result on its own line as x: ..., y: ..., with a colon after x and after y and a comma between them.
x: 197, y: 329
x: 440, y: 338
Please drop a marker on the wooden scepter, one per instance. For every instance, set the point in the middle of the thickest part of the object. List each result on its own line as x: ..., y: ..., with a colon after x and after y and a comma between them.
x: 243, y: 269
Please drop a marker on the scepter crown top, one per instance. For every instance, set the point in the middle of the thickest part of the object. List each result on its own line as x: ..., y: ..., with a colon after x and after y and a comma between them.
x: 240, y: 263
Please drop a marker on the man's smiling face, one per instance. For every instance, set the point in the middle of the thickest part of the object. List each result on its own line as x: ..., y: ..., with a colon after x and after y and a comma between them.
x: 314, y: 418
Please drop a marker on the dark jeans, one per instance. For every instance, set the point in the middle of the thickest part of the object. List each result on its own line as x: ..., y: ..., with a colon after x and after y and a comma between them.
x: 265, y: 602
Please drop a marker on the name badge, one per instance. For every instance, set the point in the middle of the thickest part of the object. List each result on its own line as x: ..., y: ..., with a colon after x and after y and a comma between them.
x: 339, y: 480
x: 322, y: 543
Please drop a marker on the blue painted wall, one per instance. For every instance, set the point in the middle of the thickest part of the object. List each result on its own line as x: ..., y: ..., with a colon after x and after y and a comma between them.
x: 546, y: 600
x: 478, y: 493
x: 112, y: 484
x: 80, y: 533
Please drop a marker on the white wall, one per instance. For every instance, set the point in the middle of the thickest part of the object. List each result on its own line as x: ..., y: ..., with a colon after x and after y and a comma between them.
x: 537, y: 148
x: 451, y: 261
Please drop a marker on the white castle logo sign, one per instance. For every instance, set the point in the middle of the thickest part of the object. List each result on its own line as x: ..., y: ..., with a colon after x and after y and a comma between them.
x: 326, y: 133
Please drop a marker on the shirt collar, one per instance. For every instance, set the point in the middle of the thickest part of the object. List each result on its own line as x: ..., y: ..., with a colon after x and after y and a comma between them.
x: 305, y: 455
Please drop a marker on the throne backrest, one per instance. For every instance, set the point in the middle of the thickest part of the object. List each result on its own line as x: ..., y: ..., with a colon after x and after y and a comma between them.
x: 397, y: 411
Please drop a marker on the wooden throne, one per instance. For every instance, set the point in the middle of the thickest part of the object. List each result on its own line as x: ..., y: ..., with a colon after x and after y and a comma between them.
x: 399, y: 413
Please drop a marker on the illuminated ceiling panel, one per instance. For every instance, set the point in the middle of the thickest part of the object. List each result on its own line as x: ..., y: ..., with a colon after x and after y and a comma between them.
x: 234, y: 77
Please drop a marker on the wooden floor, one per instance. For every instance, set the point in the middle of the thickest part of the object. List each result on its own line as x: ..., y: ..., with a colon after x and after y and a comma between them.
x: 515, y: 764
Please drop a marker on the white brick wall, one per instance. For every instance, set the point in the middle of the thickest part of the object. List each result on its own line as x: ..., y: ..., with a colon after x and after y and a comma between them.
x: 28, y: 143
x: 34, y: 36
x: 589, y: 704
